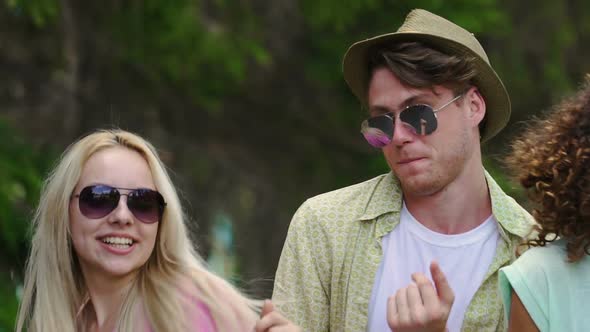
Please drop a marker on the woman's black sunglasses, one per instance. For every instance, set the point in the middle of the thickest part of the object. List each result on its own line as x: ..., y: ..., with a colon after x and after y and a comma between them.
x: 98, y: 201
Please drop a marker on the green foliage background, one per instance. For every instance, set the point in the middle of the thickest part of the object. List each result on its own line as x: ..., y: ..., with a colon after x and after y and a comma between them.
x: 245, y: 99
x: 22, y: 170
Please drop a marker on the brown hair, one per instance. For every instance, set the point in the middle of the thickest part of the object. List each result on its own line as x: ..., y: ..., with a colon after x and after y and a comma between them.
x: 552, y: 161
x: 418, y: 65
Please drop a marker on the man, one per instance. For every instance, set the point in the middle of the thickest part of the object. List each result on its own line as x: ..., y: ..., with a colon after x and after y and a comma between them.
x: 363, y: 257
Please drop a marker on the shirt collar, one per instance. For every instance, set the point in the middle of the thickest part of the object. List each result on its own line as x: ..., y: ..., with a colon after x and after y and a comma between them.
x: 512, y: 217
x: 386, y: 197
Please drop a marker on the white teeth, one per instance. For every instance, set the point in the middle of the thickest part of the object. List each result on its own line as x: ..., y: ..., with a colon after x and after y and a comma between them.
x: 120, y: 246
x: 118, y: 241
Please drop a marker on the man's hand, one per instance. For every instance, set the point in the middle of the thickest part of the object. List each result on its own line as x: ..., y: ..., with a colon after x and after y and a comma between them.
x: 272, y: 321
x: 421, y: 307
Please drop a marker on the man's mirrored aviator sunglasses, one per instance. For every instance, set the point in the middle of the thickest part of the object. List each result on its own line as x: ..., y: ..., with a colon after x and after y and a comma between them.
x: 420, y: 119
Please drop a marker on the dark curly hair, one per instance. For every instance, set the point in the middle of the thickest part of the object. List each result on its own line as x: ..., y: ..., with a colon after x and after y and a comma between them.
x: 551, y: 159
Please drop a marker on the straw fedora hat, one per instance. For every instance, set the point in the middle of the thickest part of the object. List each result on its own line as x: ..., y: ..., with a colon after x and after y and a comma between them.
x: 435, y: 31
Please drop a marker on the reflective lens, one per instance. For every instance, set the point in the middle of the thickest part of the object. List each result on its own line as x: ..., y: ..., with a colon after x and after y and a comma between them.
x: 378, y: 130
x: 99, y: 200
x: 146, y: 204
x: 420, y: 119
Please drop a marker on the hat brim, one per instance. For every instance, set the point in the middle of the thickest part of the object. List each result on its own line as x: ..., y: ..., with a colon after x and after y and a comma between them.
x: 356, y: 74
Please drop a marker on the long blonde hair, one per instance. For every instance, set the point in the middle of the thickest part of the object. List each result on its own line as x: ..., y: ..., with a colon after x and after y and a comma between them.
x: 54, y: 287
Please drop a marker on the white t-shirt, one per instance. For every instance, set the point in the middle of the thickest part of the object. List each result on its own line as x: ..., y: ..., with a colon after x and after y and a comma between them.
x: 464, y: 259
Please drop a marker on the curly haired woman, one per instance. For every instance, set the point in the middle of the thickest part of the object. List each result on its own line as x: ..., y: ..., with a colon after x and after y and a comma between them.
x: 547, y: 288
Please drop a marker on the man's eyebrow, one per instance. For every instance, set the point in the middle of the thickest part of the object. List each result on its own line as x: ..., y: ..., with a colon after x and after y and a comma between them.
x: 413, y: 100
x: 379, y: 109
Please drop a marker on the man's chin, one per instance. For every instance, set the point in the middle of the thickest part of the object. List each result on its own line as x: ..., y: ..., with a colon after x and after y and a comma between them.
x: 418, y: 186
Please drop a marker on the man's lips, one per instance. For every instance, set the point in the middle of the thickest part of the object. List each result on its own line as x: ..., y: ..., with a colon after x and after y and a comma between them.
x: 408, y: 160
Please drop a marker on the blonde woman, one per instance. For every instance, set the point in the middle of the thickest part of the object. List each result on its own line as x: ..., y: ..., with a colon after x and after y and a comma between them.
x: 110, y: 250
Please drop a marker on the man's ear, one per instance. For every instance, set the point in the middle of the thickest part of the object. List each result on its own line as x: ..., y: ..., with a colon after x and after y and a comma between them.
x: 477, y: 106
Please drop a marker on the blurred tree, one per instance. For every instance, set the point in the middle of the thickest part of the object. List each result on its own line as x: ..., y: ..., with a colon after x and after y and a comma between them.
x: 21, y: 176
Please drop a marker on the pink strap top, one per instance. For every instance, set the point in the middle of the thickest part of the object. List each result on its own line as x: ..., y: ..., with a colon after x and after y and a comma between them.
x: 199, y: 315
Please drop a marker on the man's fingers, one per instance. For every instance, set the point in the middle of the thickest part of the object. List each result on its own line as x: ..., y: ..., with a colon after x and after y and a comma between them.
x: 273, y: 321
x: 401, y: 302
x: 265, y: 323
x: 417, y: 311
x: 427, y: 292
x: 445, y: 293
x: 270, y: 320
x: 267, y: 308
x: 392, y: 315
x: 414, y: 298
x: 392, y: 306
x: 422, y: 305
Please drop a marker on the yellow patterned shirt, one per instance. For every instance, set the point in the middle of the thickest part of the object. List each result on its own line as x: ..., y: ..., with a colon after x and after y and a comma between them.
x: 333, y: 250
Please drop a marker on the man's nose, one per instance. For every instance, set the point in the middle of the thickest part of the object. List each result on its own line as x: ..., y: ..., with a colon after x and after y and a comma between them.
x: 402, y: 132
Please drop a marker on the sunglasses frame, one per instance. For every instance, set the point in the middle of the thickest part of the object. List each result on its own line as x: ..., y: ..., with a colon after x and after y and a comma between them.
x: 381, y: 139
x: 132, y: 193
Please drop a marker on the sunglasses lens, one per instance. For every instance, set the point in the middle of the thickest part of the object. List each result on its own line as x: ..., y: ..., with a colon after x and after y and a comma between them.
x: 378, y: 130
x: 98, y: 201
x: 147, y: 205
x: 421, y: 118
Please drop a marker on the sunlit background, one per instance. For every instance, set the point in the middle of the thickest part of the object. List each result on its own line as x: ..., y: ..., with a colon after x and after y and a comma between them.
x: 244, y: 99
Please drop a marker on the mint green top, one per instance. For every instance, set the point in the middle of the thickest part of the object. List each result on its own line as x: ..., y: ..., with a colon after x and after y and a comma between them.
x: 555, y: 292
x: 333, y: 250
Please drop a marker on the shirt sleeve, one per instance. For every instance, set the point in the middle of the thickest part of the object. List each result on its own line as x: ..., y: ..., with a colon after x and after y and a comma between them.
x: 527, y: 277
x: 301, y: 288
